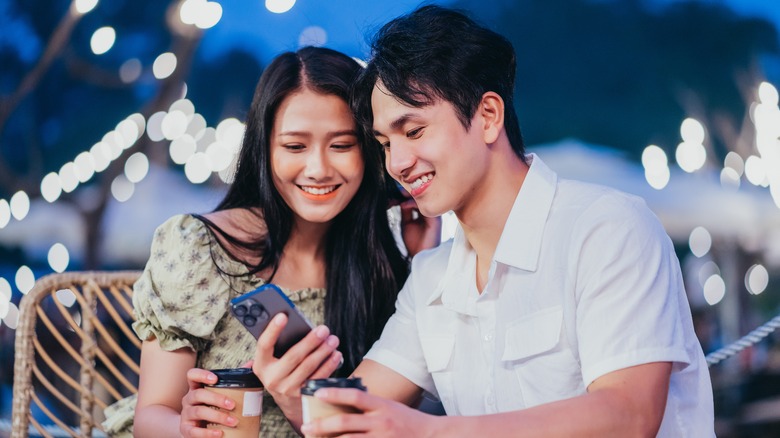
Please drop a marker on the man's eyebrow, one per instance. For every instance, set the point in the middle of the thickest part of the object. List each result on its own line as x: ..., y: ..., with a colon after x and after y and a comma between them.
x: 398, y: 123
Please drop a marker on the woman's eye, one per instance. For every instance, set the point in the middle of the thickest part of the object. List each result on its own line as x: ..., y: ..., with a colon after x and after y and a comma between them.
x: 415, y: 133
x: 343, y: 146
x: 385, y: 145
x: 293, y: 147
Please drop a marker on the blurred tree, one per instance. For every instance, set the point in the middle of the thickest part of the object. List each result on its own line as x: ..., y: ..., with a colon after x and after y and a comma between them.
x: 614, y: 72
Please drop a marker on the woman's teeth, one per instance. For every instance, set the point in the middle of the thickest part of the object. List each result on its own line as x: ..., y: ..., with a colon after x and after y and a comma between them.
x: 318, y: 190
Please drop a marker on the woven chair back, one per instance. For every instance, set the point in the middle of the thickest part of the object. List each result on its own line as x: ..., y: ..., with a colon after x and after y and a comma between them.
x: 75, y: 352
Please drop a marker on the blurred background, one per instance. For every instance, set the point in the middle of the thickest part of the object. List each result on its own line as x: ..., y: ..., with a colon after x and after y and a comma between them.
x: 115, y: 115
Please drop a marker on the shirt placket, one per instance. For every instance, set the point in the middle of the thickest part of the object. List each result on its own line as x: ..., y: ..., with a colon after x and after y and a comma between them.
x: 486, y: 321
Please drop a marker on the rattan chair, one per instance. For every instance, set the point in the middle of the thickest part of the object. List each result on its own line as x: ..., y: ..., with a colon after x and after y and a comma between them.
x: 75, y: 352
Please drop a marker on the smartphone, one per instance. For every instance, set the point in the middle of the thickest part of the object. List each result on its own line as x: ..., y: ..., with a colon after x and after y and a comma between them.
x: 256, y: 308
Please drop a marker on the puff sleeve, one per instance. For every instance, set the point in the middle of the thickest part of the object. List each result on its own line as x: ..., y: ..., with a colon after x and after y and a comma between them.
x: 181, y: 296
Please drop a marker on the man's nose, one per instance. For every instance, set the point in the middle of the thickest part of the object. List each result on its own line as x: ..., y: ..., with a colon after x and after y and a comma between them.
x: 399, y: 159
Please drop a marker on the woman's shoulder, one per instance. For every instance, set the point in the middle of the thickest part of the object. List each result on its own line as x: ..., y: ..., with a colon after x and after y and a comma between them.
x: 182, y: 230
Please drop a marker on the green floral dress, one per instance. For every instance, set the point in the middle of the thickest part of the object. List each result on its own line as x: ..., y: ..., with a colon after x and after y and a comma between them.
x: 182, y: 300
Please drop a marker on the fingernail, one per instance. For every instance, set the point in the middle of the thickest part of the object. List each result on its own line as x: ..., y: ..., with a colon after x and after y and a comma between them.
x: 333, y: 341
x: 279, y: 319
x: 322, y: 332
x: 229, y: 403
x: 306, y: 428
x: 321, y: 393
x: 232, y: 421
x: 211, y: 378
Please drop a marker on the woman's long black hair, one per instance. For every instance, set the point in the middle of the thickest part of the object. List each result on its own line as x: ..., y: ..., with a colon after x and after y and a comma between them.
x: 364, y: 267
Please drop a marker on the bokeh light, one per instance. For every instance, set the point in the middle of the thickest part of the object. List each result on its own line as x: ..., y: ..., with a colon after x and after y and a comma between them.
x: 51, y: 188
x: 767, y: 94
x: 312, y: 36
x: 11, y: 319
x: 700, y: 241
x: 656, y: 166
x: 754, y: 170
x: 692, y: 131
x: 164, y: 65
x: 198, y: 168
x: 756, y: 279
x: 84, y: 6
x: 154, y: 126
x: 174, y: 125
x: 58, y: 257
x: 729, y: 178
x: 66, y: 297
x: 5, y: 213
x: 690, y: 156
x: 122, y: 189
x: 68, y: 177
x: 136, y: 167
x: 130, y: 70
x: 84, y: 166
x: 279, y: 6
x: 734, y: 161
x: 102, y: 40
x: 182, y: 149
x: 714, y: 289
x: 24, y: 279
x: 20, y: 205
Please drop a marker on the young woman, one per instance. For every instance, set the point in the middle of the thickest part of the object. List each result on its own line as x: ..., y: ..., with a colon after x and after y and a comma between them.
x: 307, y: 211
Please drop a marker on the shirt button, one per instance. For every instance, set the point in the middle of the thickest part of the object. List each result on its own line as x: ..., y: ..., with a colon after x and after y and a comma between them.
x: 488, y: 337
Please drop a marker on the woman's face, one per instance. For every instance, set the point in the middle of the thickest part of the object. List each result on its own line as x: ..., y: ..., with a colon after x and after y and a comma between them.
x: 316, y: 161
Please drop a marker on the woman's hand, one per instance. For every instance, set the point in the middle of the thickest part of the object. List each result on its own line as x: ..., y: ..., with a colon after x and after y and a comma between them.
x: 197, y: 406
x: 314, y: 357
x: 419, y: 232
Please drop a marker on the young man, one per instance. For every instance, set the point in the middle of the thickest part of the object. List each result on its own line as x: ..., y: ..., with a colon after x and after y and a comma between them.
x: 558, y: 309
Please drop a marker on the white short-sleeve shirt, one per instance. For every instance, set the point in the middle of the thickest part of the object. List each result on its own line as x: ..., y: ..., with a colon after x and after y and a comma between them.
x: 584, y: 282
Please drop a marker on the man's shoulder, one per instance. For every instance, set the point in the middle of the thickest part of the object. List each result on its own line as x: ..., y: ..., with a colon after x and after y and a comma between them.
x: 597, y: 199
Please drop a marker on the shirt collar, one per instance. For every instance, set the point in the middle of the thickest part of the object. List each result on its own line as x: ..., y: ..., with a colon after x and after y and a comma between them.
x: 519, y: 245
x: 521, y: 241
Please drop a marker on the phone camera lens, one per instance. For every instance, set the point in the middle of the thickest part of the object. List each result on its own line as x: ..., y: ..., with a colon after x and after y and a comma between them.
x: 239, y: 310
x: 263, y: 316
x: 250, y: 320
x: 255, y: 310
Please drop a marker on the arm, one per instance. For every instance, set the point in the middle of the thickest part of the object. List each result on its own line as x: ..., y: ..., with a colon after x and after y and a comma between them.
x: 161, y: 388
x: 627, y: 402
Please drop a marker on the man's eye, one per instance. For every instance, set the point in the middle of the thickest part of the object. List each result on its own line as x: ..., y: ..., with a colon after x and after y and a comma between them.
x: 415, y: 133
x: 343, y: 146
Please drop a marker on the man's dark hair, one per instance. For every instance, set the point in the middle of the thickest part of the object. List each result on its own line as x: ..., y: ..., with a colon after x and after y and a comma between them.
x: 438, y: 53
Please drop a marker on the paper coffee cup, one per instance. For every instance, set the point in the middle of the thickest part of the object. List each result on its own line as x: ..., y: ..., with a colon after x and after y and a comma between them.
x: 314, y: 408
x: 244, y: 388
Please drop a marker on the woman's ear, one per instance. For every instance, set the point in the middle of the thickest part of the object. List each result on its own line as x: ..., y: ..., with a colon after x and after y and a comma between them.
x: 491, y: 110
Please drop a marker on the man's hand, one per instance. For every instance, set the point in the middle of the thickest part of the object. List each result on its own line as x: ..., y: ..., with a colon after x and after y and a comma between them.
x: 380, y: 417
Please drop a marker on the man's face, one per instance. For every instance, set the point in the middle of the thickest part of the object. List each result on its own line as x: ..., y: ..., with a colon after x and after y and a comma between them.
x: 438, y: 161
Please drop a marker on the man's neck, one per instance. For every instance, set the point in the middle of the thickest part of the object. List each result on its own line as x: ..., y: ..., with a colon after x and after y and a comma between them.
x: 484, y: 216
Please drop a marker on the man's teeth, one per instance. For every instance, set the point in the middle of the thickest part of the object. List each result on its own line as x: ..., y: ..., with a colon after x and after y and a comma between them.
x: 421, y: 180
x: 318, y: 190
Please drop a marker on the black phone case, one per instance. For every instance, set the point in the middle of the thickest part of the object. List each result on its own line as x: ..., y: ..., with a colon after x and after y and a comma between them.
x: 255, y: 309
